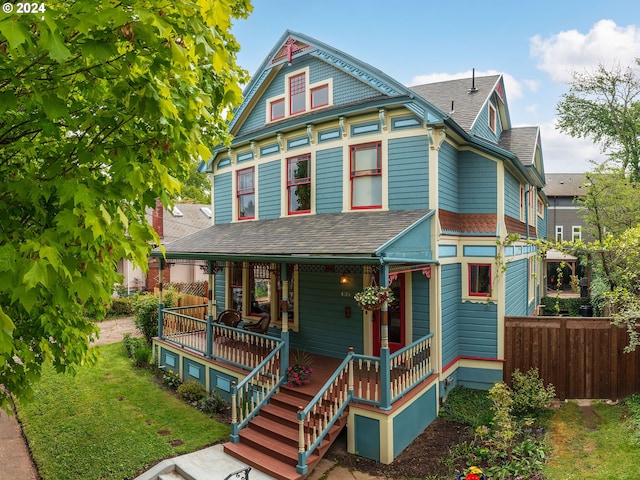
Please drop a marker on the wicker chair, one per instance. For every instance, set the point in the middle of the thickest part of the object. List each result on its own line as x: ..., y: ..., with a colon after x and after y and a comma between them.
x: 230, y: 318
x: 261, y: 326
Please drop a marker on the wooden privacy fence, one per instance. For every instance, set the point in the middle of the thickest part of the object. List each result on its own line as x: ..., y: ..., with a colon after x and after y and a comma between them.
x: 582, y: 357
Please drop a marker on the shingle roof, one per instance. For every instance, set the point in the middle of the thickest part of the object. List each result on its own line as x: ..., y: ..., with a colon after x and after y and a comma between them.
x: 565, y: 184
x: 465, y: 105
x: 521, y: 141
x: 191, y: 220
x: 476, y: 223
x: 352, y: 233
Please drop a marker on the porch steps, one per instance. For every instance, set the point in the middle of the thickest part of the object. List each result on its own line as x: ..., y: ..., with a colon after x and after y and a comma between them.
x: 270, y: 441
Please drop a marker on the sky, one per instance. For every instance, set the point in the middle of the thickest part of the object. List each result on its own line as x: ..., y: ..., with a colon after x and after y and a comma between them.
x: 536, y: 45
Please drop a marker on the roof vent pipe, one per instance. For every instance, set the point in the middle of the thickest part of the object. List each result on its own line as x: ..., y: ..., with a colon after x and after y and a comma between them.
x: 452, y: 109
x: 473, y: 88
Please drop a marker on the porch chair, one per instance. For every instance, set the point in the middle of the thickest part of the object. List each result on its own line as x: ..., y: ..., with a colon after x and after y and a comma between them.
x: 261, y: 326
x: 230, y: 318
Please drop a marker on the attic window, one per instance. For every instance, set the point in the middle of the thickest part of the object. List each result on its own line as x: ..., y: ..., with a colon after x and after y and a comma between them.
x: 492, y: 118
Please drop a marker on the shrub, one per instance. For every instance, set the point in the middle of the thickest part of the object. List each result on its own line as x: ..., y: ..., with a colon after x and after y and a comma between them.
x: 120, y: 307
x: 146, y: 312
x: 530, y: 397
x: 142, y: 356
x: 132, y: 344
x: 554, y: 305
x: 213, y: 403
x: 191, y: 391
x: 171, y: 378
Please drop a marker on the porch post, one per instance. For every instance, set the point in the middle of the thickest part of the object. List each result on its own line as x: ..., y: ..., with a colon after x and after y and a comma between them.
x: 385, y: 353
x: 284, y: 319
x: 160, y: 305
x: 209, y: 347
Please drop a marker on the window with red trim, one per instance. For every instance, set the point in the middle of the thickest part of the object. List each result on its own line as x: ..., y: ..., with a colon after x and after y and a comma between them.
x: 366, y: 175
x: 492, y: 118
x: 277, y: 109
x: 299, y: 184
x: 320, y: 96
x: 297, y: 90
x: 246, y: 194
x: 479, y: 280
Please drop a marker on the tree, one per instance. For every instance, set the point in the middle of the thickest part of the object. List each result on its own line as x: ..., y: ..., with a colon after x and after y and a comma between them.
x: 605, y: 105
x: 104, y: 106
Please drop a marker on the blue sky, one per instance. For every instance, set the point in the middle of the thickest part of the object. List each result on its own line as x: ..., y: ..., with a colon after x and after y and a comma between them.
x: 535, y: 44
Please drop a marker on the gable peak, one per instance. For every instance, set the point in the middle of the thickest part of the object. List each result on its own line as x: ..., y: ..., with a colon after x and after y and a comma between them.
x: 291, y: 48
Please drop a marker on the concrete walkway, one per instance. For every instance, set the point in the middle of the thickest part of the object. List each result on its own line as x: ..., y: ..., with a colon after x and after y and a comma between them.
x: 208, y: 464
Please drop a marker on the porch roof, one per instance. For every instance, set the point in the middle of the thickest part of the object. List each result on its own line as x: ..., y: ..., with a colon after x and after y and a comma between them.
x: 351, y: 237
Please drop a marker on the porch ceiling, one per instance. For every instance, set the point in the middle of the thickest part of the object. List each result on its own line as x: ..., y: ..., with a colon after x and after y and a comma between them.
x: 352, y: 235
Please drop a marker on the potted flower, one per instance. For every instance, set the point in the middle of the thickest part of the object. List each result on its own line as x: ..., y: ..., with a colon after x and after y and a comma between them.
x: 471, y: 473
x: 373, y: 297
x: 299, y: 371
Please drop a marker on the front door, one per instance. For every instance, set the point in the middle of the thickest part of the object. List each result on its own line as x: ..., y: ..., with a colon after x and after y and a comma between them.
x: 396, y: 319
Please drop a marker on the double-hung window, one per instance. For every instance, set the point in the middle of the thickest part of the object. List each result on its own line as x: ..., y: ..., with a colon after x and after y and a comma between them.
x: 559, y: 233
x: 576, y: 233
x: 366, y: 175
x: 299, y: 184
x: 277, y: 109
x: 297, y: 90
x: 320, y: 96
x: 245, y: 194
x: 479, y: 280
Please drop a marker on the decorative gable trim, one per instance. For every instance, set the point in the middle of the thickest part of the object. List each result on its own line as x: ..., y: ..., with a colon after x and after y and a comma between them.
x: 290, y: 49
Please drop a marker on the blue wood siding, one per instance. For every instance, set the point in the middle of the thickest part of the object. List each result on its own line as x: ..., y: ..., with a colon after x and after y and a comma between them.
x: 367, y: 436
x: 413, y: 420
x: 516, y: 294
x: 219, y: 290
x: 451, y: 294
x: 346, y: 89
x: 478, y: 184
x: 329, y: 180
x: 481, y: 125
x: 222, y: 197
x: 448, y: 183
x: 478, y: 330
x: 269, y: 189
x: 408, y: 173
x: 420, y: 305
x: 542, y: 225
x: 324, y: 329
x: 511, y: 196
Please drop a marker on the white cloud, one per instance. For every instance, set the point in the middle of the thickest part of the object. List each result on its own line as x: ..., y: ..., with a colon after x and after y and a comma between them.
x: 565, y: 154
x: 566, y: 52
x: 513, y: 87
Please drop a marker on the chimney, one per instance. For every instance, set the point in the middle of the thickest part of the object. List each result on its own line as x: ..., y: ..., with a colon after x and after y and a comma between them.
x: 158, y: 218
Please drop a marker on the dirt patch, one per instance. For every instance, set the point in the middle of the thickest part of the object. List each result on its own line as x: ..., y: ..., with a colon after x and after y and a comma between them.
x: 428, y: 454
x: 163, y: 433
x: 176, y: 443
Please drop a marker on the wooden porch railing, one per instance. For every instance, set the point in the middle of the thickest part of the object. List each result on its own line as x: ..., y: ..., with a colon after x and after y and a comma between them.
x: 181, y: 326
x: 255, y: 390
x: 410, y: 366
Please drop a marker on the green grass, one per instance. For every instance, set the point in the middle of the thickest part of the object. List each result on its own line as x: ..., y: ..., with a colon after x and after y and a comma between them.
x: 601, y: 447
x: 469, y: 406
x: 110, y: 421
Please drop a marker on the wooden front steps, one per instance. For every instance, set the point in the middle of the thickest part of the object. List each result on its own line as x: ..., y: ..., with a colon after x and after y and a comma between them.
x: 269, y: 442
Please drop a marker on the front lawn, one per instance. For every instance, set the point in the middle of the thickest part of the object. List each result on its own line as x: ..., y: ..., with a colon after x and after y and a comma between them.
x: 110, y: 421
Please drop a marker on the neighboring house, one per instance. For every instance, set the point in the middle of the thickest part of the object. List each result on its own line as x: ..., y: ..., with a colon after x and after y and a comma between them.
x: 339, y: 177
x: 170, y: 225
x: 562, y: 190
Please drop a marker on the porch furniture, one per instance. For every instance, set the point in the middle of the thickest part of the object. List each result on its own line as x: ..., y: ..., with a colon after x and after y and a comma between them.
x: 230, y: 318
x: 261, y: 326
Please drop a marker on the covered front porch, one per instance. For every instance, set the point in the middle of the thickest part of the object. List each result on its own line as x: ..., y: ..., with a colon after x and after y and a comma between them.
x: 386, y: 390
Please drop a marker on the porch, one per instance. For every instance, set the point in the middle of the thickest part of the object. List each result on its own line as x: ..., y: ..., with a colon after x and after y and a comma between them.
x: 250, y: 369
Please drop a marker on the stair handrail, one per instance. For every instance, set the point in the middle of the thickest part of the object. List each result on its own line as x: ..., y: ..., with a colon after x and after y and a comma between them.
x: 243, y: 471
x: 339, y: 402
x: 274, y: 382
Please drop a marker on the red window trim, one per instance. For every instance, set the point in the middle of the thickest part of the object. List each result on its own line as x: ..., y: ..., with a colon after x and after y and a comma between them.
x: 300, y: 88
x: 248, y: 191
x: 376, y: 173
x: 492, y: 118
x: 281, y: 100
x: 479, y: 294
x: 313, y: 106
x: 297, y: 183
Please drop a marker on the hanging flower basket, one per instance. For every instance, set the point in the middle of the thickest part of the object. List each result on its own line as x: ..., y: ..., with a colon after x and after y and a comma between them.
x: 372, y: 298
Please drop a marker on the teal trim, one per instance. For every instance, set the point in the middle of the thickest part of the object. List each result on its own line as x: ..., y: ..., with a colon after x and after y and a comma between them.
x: 269, y: 150
x: 192, y: 370
x: 478, y: 251
x: 328, y: 135
x: 402, y: 123
x: 413, y: 243
x: 367, y: 437
x: 365, y: 128
x: 298, y: 142
x: 445, y: 251
x: 169, y: 360
x: 414, y: 419
x: 225, y: 162
x: 221, y: 382
x: 244, y: 157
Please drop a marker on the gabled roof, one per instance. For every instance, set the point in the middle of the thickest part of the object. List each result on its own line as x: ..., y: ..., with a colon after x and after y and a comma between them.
x: 466, y: 103
x: 356, y: 235
x: 565, y: 184
x: 522, y: 141
x: 183, y: 220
